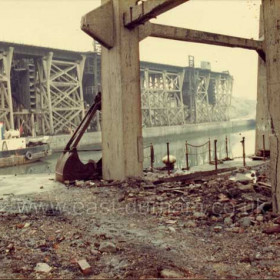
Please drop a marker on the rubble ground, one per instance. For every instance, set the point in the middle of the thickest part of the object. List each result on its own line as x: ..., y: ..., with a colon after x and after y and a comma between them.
x: 207, y: 228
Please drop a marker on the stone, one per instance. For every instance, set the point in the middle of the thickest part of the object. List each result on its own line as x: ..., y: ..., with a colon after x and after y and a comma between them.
x: 107, y: 247
x: 259, y: 218
x: 171, y: 274
x: 243, y: 179
x: 245, y: 222
x: 171, y: 229
x: 94, y: 252
x: 85, y: 267
x: 79, y: 183
x: 199, y: 215
x: 228, y: 221
x: 245, y: 187
x: 190, y: 224
x: 42, y: 268
x: 218, y: 228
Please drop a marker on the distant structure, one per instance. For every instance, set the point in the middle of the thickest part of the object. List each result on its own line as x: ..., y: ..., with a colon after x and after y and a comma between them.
x: 48, y: 90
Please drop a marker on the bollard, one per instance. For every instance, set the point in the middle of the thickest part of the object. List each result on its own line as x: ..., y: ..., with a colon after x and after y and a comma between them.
x: 227, y: 148
x: 152, y: 155
x: 209, y: 150
x: 216, y: 157
x: 263, y: 147
x: 168, y: 160
x: 187, y: 157
x: 243, y: 147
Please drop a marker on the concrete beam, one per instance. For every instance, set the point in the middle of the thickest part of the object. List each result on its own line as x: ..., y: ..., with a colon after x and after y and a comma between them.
x: 195, y: 36
x: 99, y: 24
x: 139, y: 14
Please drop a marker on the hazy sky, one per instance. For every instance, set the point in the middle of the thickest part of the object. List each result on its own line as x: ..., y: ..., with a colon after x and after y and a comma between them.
x: 56, y: 23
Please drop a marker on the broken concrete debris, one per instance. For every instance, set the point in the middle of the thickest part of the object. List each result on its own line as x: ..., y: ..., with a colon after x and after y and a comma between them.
x: 85, y: 267
x: 42, y: 268
x: 138, y: 229
x: 107, y: 247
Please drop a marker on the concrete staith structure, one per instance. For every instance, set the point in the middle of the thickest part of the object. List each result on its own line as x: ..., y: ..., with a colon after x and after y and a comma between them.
x: 128, y: 24
x: 54, y: 102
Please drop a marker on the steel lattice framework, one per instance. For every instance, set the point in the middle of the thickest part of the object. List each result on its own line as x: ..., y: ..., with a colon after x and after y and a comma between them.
x: 162, y: 102
x: 6, y: 104
x: 59, y: 87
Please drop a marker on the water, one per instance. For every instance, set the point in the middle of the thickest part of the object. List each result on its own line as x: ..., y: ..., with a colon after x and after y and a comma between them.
x: 177, y: 148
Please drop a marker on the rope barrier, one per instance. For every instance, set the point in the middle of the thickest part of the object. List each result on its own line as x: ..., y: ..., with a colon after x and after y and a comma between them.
x: 198, y: 146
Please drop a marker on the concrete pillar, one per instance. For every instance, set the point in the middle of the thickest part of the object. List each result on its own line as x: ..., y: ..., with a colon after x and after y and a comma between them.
x: 263, y: 125
x: 121, y: 101
x: 271, y: 12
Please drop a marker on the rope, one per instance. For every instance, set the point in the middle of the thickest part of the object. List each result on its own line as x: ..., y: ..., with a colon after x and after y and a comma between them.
x: 198, y: 146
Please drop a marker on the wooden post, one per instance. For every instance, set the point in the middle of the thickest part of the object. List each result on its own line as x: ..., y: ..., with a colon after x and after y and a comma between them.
x: 187, y: 156
x: 243, y: 149
x: 209, y: 150
x: 216, y: 157
x: 168, y: 159
x: 227, y: 148
x: 263, y: 147
x: 152, y: 156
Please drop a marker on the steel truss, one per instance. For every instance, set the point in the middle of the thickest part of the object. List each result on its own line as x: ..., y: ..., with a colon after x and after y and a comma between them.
x: 162, y: 101
x: 223, y: 93
x: 59, y: 89
x: 220, y: 85
x: 6, y: 103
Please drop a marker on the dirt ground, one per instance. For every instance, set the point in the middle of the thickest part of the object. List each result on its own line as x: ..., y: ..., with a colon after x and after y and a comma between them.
x: 208, y: 228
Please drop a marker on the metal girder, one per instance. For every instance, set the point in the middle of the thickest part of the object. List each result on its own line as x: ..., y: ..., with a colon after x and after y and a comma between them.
x: 139, y: 14
x: 189, y: 35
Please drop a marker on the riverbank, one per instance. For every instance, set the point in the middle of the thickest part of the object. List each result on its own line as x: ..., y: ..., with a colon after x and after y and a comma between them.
x: 58, y: 142
x: 209, y: 228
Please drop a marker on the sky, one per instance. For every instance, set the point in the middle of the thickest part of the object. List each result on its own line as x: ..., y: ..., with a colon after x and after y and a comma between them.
x: 56, y: 23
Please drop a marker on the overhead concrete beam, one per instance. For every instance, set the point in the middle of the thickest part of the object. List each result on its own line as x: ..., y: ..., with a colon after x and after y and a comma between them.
x: 195, y: 36
x: 99, y: 24
x: 139, y: 14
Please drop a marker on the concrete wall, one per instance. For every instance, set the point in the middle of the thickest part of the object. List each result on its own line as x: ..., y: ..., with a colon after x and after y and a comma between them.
x: 58, y: 142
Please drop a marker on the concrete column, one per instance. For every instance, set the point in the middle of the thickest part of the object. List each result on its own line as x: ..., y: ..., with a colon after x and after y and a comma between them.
x: 121, y: 101
x: 263, y: 125
x: 271, y: 12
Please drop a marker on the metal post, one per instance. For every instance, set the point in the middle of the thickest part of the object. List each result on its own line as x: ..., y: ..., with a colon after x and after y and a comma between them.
x: 187, y: 156
x: 263, y: 147
x: 227, y: 148
x: 216, y: 158
x: 209, y: 150
x: 152, y: 155
x: 168, y: 160
x: 243, y: 147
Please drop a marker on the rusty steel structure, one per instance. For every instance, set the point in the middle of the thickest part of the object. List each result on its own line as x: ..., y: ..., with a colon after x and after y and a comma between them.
x: 50, y: 90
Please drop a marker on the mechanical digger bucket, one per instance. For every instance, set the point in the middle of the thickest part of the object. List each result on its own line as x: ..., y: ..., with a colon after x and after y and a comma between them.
x: 69, y: 168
